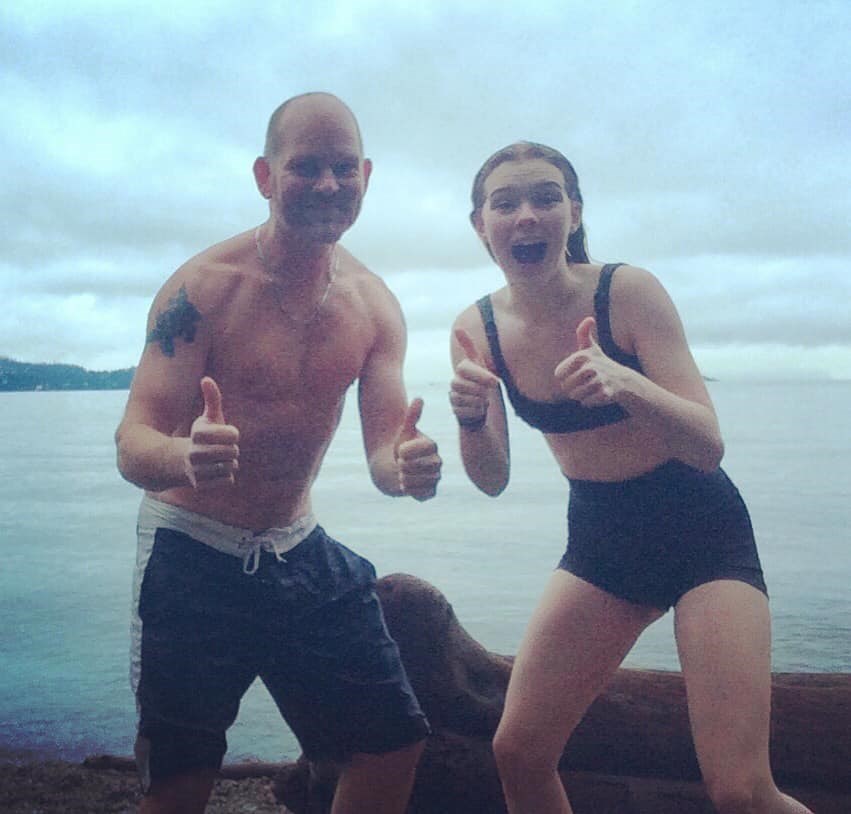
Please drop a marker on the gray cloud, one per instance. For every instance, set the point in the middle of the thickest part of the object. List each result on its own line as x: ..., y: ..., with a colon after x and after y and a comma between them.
x: 711, y: 143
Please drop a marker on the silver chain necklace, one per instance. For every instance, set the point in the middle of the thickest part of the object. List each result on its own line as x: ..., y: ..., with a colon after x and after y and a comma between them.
x: 332, y: 274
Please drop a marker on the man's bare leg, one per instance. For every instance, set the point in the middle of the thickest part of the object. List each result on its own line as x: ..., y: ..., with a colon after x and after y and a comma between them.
x: 181, y: 794
x: 377, y: 784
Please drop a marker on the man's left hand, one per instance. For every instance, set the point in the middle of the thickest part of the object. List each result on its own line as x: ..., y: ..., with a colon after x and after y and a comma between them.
x: 416, y: 457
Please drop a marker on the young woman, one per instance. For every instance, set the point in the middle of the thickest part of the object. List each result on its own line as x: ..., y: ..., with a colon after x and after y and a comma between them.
x: 596, y: 358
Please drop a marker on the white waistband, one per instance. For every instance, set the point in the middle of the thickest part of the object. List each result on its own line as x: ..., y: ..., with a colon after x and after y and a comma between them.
x: 233, y: 540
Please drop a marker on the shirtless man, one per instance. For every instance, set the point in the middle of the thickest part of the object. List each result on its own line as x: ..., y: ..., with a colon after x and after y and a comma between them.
x: 251, y: 348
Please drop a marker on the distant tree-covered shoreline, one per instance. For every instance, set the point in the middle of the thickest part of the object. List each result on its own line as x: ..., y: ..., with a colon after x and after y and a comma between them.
x: 22, y: 376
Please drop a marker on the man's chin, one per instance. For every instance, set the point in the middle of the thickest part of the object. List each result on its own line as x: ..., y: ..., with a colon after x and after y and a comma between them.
x: 320, y: 230
x: 326, y: 233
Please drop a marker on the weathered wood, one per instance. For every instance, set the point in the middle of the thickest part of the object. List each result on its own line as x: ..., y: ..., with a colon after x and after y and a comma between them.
x: 631, y: 754
x: 638, y: 726
x: 443, y: 787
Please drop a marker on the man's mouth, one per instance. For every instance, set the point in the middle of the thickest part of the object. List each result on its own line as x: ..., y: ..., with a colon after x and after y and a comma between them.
x: 529, y: 252
x: 315, y: 211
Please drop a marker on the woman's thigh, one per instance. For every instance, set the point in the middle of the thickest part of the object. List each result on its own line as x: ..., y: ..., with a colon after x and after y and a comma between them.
x: 575, y: 640
x: 723, y: 631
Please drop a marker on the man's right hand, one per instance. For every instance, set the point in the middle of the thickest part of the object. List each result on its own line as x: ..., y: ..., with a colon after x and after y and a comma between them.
x: 213, y: 453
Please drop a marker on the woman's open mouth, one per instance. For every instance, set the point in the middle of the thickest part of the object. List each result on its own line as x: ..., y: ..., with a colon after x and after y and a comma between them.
x: 529, y: 252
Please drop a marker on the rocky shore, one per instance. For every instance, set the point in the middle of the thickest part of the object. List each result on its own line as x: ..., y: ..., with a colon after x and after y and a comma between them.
x: 30, y: 786
x: 632, y: 753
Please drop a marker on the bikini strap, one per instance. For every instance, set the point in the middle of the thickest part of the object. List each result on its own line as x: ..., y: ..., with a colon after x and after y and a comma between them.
x: 601, y: 310
x: 485, y: 307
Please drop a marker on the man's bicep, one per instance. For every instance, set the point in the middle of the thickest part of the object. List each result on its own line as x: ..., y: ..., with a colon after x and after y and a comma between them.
x: 174, y: 320
x: 165, y: 393
x: 165, y: 387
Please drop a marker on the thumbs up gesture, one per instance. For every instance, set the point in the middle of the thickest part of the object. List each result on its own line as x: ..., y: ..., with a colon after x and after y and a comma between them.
x: 213, y: 453
x: 586, y: 334
x: 472, y: 385
x: 588, y: 375
x: 416, y: 457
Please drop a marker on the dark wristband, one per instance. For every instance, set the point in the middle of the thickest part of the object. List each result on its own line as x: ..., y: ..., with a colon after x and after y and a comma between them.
x: 473, y: 424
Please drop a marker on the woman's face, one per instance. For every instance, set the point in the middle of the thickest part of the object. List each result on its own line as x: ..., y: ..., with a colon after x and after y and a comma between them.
x: 526, y: 216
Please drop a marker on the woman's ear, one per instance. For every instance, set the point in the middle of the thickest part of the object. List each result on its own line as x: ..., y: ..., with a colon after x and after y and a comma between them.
x: 478, y: 225
x: 575, y: 216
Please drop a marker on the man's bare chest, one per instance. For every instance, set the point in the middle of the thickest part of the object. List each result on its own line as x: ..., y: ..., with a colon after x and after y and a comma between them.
x: 268, y: 357
x: 292, y: 377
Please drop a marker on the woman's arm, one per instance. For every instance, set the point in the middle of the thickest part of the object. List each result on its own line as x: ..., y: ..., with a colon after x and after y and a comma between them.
x: 477, y: 402
x: 670, y: 399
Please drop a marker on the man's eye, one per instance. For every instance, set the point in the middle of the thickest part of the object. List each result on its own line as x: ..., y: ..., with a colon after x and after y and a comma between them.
x: 306, y: 169
x: 503, y: 206
x: 345, y: 169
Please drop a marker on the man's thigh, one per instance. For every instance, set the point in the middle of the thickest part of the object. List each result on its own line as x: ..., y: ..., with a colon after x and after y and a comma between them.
x: 340, y: 683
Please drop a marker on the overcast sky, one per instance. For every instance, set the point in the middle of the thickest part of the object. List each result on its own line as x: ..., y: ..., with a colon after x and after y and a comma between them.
x: 711, y: 141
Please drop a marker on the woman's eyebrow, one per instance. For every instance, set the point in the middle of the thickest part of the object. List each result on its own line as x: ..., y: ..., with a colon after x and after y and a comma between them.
x: 513, y: 188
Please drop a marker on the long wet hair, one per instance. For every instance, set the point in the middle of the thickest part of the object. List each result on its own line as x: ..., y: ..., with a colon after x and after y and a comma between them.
x: 577, y: 248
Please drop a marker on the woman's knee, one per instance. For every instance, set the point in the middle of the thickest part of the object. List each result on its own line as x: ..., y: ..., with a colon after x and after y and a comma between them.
x: 517, y: 754
x: 739, y: 793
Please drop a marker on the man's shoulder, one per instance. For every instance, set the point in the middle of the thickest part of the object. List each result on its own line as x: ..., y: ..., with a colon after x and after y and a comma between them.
x: 214, y: 271
x: 229, y: 255
x: 353, y: 267
x: 363, y: 280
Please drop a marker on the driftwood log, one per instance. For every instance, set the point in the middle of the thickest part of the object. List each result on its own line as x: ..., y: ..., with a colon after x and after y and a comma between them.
x: 632, y: 752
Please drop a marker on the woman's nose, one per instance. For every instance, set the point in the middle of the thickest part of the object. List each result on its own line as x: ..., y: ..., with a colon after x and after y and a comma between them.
x: 526, y: 213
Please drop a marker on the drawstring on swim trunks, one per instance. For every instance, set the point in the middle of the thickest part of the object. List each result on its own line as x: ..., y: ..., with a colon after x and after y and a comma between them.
x: 251, y: 558
x: 238, y: 542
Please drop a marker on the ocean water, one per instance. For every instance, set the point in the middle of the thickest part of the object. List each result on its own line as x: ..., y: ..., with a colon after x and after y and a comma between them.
x: 67, y: 524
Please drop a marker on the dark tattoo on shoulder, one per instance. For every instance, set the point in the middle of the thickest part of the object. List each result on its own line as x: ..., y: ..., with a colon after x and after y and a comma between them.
x: 179, y: 320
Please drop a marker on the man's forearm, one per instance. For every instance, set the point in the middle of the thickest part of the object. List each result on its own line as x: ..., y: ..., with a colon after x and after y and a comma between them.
x: 150, y: 459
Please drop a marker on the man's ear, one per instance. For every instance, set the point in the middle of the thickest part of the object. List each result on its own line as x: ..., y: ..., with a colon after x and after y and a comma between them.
x: 367, y: 171
x: 261, y: 176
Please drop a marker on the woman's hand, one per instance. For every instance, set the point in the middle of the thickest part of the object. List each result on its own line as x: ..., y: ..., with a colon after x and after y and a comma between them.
x: 472, y: 386
x: 588, y: 375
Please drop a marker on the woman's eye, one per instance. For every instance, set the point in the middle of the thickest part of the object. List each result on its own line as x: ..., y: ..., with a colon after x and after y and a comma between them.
x: 547, y: 200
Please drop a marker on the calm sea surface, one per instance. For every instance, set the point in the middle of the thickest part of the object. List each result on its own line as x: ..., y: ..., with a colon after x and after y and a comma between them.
x: 67, y: 525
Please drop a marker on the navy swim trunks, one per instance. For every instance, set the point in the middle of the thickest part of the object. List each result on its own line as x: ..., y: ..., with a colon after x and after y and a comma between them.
x: 653, y: 538
x: 307, y: 622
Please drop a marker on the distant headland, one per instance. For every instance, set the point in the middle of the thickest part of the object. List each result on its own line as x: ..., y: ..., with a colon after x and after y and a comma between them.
x: 25, y: 376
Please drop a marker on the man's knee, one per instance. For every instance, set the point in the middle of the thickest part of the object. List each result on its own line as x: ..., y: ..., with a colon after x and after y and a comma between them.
x: 177, y: 769
x: 403, y: 759
x: 180, y: 794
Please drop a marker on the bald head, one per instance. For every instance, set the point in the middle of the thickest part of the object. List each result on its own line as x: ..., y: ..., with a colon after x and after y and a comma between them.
x: 314, y: 104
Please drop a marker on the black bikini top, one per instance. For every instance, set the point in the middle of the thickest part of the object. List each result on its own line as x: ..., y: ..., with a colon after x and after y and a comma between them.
x: 566, y: 415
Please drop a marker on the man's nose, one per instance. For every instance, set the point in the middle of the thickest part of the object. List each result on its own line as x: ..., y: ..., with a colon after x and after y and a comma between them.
x: 327, y: 181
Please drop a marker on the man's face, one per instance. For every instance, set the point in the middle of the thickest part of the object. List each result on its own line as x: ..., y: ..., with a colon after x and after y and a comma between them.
x: 318, y: 176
